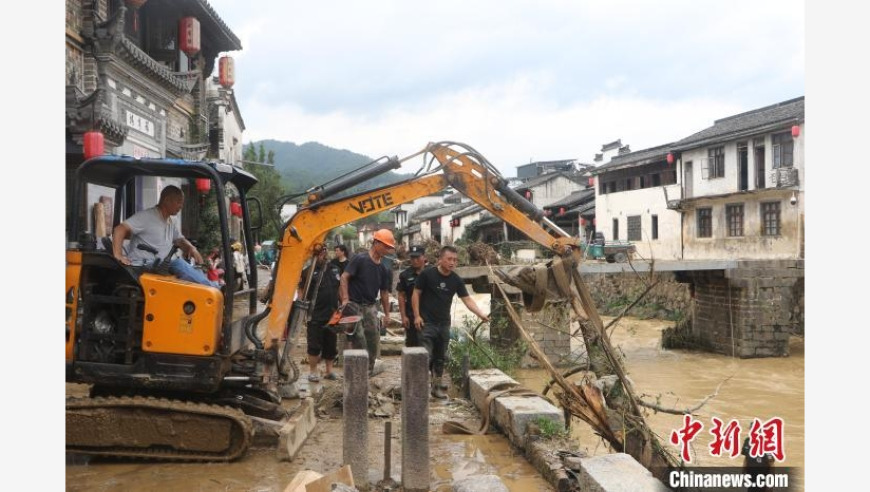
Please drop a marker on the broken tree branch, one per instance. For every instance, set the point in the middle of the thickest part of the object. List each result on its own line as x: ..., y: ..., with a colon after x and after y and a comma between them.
x: 685, y: 411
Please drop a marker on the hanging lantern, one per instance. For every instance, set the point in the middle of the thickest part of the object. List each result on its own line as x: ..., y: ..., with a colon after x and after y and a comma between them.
x: 670, y: 158
x: 227, y: 72
x: 591, y: 181
x: 135, y: 5
x: 236, y: 209
x: 188, y: 35
x: 561, y: 210
x: 203, y: 185
x: 93, y: 144
x: 796, y: 131
x: 528, y: 195
x: 582, y: 222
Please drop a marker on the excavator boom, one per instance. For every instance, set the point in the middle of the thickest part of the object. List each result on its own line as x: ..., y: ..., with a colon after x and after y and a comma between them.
x: 464, y: 169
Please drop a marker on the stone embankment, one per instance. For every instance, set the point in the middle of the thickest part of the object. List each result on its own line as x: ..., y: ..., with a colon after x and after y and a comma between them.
x: 520, y: 418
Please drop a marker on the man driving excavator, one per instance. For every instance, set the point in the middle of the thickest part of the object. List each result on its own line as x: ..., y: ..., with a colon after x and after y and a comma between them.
x: 155, y: 227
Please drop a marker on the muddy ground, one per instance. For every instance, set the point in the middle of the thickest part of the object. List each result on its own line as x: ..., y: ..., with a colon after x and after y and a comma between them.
x: 453, y: 456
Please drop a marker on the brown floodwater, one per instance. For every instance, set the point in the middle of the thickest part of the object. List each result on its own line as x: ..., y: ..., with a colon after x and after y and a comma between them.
x: 750, y: 388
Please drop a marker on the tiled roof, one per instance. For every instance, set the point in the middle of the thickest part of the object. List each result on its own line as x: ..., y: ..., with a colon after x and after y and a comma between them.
x: 637, y: 158
x: 574, y: 198
x: 544, y: 178
x: 440, y: 211
x: 759, y: 120
x: 468, y: 211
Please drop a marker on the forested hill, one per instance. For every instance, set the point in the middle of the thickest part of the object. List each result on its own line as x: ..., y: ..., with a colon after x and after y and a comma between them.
x: 312, y: 163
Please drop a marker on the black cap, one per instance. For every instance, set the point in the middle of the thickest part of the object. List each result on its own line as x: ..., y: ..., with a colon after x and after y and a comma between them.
x: 416, y: 250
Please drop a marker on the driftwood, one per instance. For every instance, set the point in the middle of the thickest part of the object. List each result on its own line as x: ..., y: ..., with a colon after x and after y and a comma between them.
x: 617, y: 416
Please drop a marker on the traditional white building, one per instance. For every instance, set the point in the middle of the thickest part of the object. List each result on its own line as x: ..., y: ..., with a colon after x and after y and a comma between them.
x: 733, y: 190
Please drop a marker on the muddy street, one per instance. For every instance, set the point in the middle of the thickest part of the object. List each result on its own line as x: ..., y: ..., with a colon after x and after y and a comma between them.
x: 759, y: 388
x: 452, y: 457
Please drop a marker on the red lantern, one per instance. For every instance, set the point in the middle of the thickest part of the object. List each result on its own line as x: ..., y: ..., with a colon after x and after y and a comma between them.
x: 670, y: 158
x: 582, y: 222
x: 188, y: 35
x: 203, y: 185
x: 591, y: 181
x: 236, y: 209
x: 796, y: 131
x: 528, y: 195
x: 227, y: 72
x: 135, y: 5
x: 561, y: 210
x: 93, y: 144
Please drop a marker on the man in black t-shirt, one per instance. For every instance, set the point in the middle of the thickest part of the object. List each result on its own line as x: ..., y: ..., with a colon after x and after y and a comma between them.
x: 340, y: 259
x: 364, y: 278
x: 322, y: 342
x: 433, y: 297
x: 405, y: 290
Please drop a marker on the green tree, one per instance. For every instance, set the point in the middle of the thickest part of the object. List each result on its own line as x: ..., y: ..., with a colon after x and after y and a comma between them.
x: 268, y: 189
x: 250, y: 153
x: 209, y: 234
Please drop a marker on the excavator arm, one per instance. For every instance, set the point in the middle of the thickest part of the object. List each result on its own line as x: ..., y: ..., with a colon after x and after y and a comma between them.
x: 465, y: 169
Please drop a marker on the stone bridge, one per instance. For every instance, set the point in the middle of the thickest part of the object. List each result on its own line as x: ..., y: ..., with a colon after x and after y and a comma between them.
x: 740, y: 308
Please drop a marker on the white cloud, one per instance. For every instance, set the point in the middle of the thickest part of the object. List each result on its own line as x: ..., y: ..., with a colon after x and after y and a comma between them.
x: 517, y: 80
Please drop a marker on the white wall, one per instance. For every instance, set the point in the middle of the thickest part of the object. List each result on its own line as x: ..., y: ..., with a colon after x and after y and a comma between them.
x: 702, y: 186
x: 553, y: 190
x: 646, y: 203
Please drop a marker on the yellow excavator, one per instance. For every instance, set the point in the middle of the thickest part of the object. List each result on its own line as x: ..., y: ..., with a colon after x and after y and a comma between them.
x: 177, y: 369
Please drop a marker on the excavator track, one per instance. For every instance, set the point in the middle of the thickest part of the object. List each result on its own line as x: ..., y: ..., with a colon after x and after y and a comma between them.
x: 156, y: 428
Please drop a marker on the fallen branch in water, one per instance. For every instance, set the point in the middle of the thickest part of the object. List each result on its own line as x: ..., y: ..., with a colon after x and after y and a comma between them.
x: 685, y: 411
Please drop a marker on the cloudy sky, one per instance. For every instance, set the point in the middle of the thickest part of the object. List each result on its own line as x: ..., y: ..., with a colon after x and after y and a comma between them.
x: 517, y: 80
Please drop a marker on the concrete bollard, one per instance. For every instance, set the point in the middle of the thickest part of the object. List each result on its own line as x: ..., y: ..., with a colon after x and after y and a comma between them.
x: 415, y: 419
x: 355, y: 440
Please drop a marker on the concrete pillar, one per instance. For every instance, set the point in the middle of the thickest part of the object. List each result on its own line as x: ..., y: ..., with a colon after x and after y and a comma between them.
x: 415, y: 419
x: 355, y: 411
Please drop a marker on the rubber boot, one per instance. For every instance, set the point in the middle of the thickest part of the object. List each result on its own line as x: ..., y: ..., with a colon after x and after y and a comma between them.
x: 438, y: 389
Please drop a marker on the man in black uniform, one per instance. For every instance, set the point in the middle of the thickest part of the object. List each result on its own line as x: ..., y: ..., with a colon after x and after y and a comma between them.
x: 322, y: 342
x: 433, y: 297
x: 340, y: 259
x: 405, y: 290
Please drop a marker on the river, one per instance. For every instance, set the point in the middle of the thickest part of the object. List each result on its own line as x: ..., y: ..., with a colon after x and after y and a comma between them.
x: 750, y: 388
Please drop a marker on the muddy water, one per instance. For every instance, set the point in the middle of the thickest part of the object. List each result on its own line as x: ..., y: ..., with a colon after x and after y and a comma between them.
x: 753, y: 388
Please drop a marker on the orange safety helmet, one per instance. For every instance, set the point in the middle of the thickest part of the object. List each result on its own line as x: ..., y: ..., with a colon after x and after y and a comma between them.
x: 386, y: 237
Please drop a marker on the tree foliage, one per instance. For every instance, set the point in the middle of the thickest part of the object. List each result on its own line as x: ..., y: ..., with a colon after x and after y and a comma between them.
x: 268, y: 189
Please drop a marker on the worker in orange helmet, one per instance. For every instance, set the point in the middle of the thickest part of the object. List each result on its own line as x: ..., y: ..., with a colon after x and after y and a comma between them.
x: 364, y: 279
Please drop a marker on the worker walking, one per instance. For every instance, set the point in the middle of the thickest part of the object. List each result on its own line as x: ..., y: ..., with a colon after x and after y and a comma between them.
x: 405, y: 290
x: 431, y: 302
x: 364, y: 278
x: 323, y: 293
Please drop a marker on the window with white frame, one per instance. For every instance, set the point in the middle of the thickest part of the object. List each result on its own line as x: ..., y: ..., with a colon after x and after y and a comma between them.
x: 783, y: 150
x: 716, y: 162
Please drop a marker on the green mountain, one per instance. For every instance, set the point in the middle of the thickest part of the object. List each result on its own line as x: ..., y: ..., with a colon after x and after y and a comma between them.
x: 311, y: 164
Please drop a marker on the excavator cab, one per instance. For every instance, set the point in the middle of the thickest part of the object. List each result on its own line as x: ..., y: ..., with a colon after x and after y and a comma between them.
x: 139, y: 326
x: 139, y: 332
